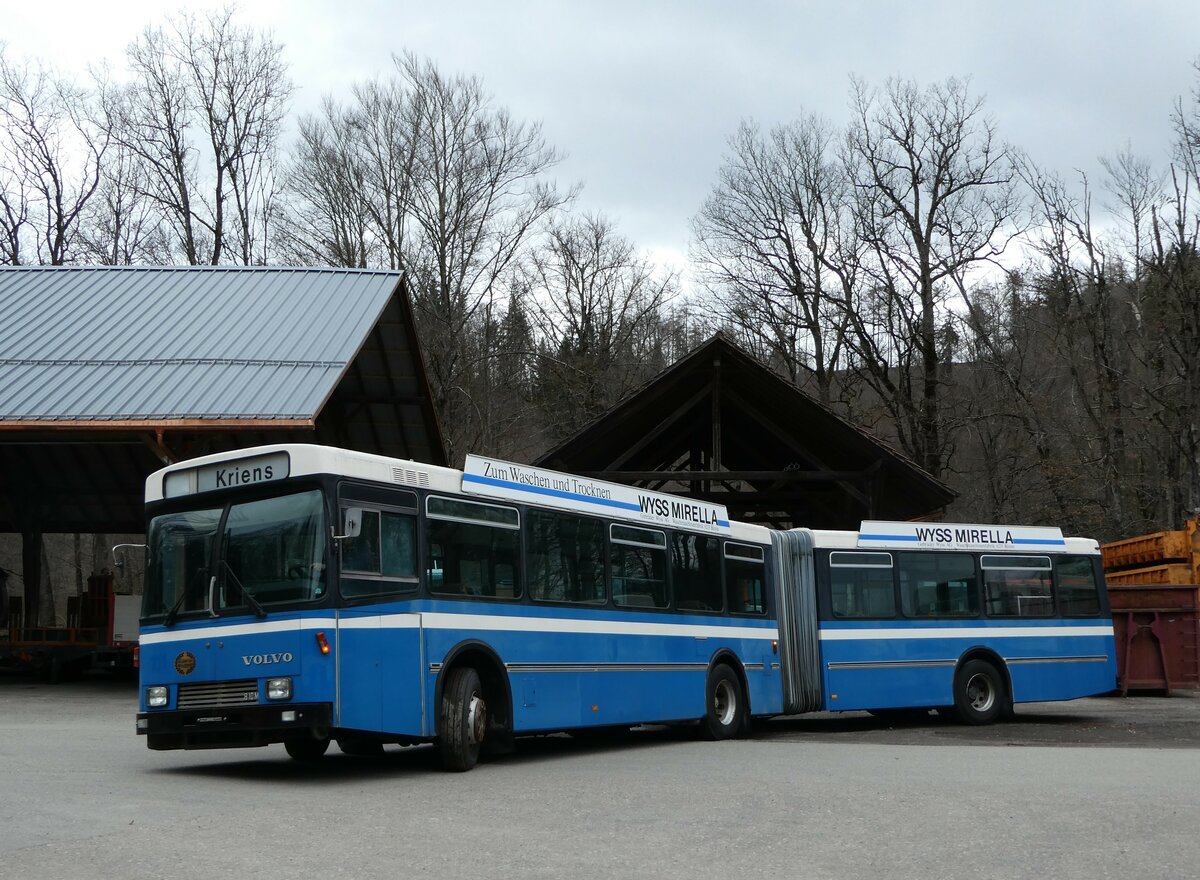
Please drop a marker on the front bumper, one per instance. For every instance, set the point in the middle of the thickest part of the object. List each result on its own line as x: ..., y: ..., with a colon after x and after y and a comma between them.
x: 231, y: 727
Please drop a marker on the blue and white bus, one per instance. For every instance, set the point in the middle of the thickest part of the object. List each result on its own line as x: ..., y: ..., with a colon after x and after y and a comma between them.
x: 299, y: 594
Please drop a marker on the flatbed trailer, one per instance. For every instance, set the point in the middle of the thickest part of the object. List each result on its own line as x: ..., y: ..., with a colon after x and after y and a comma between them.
x: 101, y: 633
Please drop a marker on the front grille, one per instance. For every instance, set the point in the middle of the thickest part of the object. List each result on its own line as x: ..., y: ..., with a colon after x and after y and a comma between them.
x: 203, y: 695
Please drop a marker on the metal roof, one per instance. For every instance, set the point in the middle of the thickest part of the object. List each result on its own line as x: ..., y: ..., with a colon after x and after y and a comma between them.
x: 104, y: 344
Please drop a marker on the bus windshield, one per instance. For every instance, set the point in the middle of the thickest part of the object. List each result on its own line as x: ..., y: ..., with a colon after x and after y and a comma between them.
x: 180, y: 561
x: 271, y: 550
x: 274, y: 550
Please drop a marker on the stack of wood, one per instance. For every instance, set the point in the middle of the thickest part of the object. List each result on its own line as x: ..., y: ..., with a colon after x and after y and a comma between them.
x: 1159, y: 558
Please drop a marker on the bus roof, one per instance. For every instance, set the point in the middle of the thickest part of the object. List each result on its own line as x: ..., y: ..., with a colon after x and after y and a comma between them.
x: 483, y: 476
x: 1028, y: 540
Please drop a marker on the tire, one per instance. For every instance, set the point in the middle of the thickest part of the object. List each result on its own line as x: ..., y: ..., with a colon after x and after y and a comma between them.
x: 361, y: 748
x: 463, y: 720
x: 307, y: 748
x: 724, y: 704
x: 980, y: 696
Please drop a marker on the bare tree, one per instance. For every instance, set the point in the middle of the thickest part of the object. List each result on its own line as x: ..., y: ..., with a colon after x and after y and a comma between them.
x: 120, y: 225
x: 773, y: 240
x: 424, y: 172
x: 327, y: 216
x: 597, y: 308
x: 52, y: 146
x: 936, y: 197
x: 203, y: 113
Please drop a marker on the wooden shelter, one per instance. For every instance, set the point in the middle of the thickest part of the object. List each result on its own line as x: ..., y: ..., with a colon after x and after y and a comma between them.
x: 719, y: 425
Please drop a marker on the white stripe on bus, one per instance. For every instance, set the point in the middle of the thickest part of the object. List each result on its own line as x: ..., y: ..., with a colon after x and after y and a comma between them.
x: 475, y: 622
x: 963, y: 632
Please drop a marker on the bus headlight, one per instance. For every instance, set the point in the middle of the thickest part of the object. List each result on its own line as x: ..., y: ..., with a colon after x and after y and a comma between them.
x: 156, y: 697
x: 279, y: 688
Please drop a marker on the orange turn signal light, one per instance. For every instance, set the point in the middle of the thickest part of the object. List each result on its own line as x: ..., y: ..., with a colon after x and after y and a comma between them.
x: 322, y: 643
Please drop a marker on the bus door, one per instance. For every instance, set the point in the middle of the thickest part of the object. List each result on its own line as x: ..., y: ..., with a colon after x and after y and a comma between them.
x: 379, y: 671
x: 379, y: 639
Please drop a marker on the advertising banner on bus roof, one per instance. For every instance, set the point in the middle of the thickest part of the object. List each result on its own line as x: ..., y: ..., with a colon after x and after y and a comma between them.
x: 520, y: 482
x: 958, y: 536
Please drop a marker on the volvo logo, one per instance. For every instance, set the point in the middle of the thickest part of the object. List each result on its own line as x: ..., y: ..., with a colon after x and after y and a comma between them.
x: 264, y: 659
x: 185, y: 662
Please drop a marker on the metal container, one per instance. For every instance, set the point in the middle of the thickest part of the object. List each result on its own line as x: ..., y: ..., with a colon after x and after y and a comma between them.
x: 1156, y: 628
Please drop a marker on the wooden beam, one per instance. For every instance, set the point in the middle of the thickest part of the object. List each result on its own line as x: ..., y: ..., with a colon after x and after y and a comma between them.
x: 678, y: 413
x: 685, y: 476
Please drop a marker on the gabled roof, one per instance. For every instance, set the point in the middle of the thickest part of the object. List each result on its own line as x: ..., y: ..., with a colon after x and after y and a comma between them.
x: 720, y: 425
x: 135, y: 344
x: 106, y: 373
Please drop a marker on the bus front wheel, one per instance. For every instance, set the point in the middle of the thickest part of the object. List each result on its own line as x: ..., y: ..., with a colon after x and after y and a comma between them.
x: 979, y: 693
x: 725, y: 704
x: 307, y: 748
x: 463, y: 719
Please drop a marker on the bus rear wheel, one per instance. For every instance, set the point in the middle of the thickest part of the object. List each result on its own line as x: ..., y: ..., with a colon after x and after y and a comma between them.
x: 725, y: 705
x: 463, y: 717
x: 979, y: 693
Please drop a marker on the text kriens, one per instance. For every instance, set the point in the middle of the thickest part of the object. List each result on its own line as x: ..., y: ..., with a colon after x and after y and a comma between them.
x: 241, y: 476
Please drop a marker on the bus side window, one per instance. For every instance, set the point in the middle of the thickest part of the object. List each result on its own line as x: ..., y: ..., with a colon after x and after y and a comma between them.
x: 745, y: 578
x: 382, y: 558
x: 938, y: 584
x: 476, y: 546
x: 862, y: 585
x: 696, y: 572
x: 1078, y: 591
x: 565, y: 558
x: 638, y: 565
x: 1017, y: 586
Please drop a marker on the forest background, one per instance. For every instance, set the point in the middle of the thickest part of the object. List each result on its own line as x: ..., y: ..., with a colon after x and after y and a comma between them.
x: 1030, y: 337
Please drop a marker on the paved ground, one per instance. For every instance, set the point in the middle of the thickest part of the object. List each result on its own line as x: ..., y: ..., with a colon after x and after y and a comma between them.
x: 820, y: 796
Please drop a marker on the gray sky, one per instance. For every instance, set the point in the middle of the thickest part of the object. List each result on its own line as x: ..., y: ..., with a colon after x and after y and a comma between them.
x: 642, y: 96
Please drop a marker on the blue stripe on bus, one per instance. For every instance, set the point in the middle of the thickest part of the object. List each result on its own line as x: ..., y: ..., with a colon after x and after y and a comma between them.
x: 554, y: 493
x: 957, y: 622
x: 1057, y: 542
x: 560, y: 493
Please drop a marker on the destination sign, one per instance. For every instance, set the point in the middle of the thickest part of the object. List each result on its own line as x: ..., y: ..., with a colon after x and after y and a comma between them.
x: 519, y: 482
x: 958, y: 536
x: 227, y: 474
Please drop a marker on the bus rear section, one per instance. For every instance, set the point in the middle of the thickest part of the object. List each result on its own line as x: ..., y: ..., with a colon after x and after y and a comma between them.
x: 978, y: 618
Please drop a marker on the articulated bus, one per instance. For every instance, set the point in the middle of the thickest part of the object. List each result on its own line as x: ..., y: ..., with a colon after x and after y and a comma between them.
x: 299, y: 594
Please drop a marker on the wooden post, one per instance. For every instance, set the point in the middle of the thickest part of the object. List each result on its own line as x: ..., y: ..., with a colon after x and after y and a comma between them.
x: 31, y: 570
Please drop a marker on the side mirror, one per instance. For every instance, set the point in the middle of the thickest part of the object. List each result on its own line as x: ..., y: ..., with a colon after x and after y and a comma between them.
x: 117, y: 563
x: 351, y: 524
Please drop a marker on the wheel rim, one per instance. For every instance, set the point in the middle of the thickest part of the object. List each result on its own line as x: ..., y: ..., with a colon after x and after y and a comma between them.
x: 981, y: 692
x: 476, y: 719
x: 724, y: 703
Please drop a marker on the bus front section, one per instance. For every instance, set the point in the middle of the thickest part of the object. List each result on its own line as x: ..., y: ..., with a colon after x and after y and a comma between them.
x: 238, y: 629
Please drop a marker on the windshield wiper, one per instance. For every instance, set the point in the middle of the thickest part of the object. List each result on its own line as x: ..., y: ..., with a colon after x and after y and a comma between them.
x: 173, y: 613
x: 259, y: 611
x: 169, y: 620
